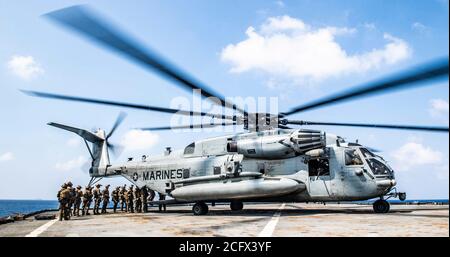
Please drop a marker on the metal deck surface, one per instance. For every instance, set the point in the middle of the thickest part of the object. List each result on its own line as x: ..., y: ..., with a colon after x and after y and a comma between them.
x: 289, y: 219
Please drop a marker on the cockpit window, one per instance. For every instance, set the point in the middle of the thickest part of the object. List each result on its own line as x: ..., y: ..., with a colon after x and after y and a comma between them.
x: 378, y: 168
x: 352, y: 158
x: 189, y: 149
x: 367, y: 153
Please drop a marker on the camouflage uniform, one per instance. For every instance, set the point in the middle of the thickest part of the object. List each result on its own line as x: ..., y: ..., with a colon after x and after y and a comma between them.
x: 71, y: 198
x: 144, y: 195
x: 97, y: 198
x: 137, y: 199
x: 115, y: 198
x: 77, y: 202
x: 130, y: 199
x: 64, y: 198
x: 105, y: 197
x: 87, y: 199
x: 123, y: 200
x: 161, y: 198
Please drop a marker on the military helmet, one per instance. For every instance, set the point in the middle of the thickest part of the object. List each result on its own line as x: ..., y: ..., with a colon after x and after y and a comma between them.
x: 98, y: 185
x: 78, y: 187
x: 69, y: 183
x: 107, y: 185
x: 64, y: 185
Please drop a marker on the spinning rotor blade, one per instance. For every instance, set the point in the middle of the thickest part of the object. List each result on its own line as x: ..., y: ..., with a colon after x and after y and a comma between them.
x: 119, y: 120
x: 126, y: 105
x: 188, y: 126
x: 406, y: 127
x: 83, y: 21
x: 116, y: 150
x: 410, y: 79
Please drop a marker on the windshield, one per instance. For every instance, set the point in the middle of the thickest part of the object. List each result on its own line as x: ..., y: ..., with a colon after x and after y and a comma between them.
x: 352, y: 157
x: 367, y: 153
x: 190, y: 149
x: 378, y: 168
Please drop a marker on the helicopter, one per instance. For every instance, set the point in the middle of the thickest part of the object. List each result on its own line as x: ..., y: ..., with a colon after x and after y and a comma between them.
x: 270, y: 162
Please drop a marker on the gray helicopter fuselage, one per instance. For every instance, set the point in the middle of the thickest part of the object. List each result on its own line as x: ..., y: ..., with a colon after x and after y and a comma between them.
x: 269, y: 165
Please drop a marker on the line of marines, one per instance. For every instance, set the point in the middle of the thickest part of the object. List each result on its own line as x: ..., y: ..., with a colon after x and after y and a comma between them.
x: 73, y: 199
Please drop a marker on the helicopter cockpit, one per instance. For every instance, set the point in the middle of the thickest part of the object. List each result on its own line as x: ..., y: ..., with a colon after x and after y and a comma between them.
x: 376, y: 163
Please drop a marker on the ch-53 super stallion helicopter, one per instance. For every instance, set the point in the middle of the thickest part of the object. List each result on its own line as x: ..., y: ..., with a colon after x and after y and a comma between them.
x: 272, y: 162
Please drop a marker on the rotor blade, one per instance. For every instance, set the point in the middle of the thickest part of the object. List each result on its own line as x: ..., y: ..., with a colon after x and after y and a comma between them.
x: 116, y: 150
x: 82, y: 20
x: 119, y: 120
x: 413, y: 78
x: 126, y: 105
x: 188, y: 126
x: 406, y: 127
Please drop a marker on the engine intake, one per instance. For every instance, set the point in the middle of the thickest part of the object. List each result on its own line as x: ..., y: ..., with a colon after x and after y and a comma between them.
x: 279, y: 146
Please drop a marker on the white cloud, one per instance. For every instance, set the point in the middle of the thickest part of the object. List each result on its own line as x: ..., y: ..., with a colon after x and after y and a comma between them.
x: 369, y: 25
x: 413, y: 154
x: 71, y: 164
x: 8, y: 156
x: 24, y: 67
x: 280, y: 3
x: 439, y: 108
x: 417, y: 26
x: 288, y: 47
x: 139, y: 140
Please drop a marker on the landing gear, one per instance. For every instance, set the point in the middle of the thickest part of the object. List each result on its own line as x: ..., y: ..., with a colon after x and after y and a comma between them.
x: 200, y: 208
x: 236, y: 205
x: 381, y: 206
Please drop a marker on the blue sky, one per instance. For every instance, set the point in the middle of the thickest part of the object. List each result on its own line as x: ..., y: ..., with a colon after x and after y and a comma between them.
x: 219, y: 42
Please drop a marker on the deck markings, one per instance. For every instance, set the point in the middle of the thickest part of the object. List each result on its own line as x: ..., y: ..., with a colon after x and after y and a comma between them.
x: 270, y: 227
x: 41, y: 229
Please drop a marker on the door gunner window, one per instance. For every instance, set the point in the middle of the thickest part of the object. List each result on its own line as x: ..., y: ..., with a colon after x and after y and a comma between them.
x: 352, y: 158
x: 318, y: 167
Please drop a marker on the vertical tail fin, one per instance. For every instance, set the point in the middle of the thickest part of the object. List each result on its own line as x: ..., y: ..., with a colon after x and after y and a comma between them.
x: 99, y: 151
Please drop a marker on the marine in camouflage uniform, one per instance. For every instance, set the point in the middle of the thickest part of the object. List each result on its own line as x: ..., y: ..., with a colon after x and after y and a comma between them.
x: 115, y: 198
x: 130, y: 199
x: 77, y: 202
x: 137, y: 199
x: 64, y: 197
x: 71, y: 198
x: 105, y: 198
x: 122, y: 198
x: 144, y: 195
x: 97, y: 198
x: 162, y: 197
x: 87, y: 199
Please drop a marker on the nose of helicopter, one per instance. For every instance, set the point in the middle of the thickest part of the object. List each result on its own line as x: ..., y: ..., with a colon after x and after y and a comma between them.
x: 386, y: 183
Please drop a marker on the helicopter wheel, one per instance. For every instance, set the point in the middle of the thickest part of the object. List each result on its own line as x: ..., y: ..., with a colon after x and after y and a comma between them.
x: 236, y: 205
x: 200, y: 208
x: 381, y: 206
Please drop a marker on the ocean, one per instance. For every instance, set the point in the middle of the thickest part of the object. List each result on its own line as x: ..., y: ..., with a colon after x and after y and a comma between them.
x: 8, y: 207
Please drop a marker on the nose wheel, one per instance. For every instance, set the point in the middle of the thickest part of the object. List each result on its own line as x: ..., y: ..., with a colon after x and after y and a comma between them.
x: 381, y: 206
